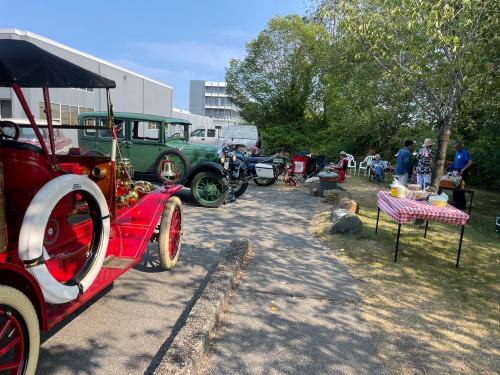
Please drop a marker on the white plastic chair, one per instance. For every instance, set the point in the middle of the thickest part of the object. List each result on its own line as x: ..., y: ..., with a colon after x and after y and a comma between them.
x: 351, y: 164
x: 367, y: 161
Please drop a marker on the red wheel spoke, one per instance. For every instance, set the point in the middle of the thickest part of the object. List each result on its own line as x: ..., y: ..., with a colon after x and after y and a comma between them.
x: 7, y: 347
x: 10, y: 366
x: 5, y: 326
x: 174, y: 233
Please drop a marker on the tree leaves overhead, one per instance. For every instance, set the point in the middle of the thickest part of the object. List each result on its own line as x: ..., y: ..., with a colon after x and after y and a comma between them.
x: 282, y: 74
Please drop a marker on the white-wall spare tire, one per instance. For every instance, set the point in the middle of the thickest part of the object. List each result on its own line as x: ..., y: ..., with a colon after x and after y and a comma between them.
x: 33, y: 229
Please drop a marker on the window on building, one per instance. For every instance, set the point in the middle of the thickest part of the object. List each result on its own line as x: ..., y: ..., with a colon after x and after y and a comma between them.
x: 84, y: 109
x: 141, y: 131
x: 73, y: 115
x: 56, y: 111
x: 6, y: 108
x: 222, y: 90
x: 65, y: 114
x: 208, y: 89
x: 152, y: 126
x: 211, y: 133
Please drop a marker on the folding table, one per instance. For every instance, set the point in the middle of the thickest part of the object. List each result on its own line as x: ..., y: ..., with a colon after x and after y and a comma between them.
x: 403, y: 210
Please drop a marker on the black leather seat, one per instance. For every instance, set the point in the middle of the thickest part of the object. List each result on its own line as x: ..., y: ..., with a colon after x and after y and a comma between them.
x: 259, y: 159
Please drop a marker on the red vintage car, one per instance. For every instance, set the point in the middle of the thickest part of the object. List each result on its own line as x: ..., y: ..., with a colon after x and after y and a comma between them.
x: 69, y: 224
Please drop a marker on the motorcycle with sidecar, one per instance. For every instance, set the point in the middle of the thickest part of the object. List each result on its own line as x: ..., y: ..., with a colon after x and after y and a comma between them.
x: 69, y: 224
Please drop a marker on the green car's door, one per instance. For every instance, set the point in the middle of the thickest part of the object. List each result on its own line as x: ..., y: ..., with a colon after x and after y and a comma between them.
x: 105, y: 138
x: 145, y: 144
x: 88, y: 137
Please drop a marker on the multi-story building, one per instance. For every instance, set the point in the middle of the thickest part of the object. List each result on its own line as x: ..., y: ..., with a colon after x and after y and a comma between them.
x: 210, y: 99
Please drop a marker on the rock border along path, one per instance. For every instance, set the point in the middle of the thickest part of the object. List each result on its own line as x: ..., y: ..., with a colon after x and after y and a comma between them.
x: 186, y: 354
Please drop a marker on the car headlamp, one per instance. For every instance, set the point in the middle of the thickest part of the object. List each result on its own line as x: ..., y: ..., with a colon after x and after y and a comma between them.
x: 223, y: 158
x: 233, y: 156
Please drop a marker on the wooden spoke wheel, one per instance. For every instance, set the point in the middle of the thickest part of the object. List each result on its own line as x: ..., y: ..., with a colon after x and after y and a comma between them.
x: 170, y: 236
x: 19, y: 333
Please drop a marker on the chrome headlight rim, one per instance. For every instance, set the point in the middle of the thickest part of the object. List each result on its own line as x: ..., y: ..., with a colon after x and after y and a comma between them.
x: 223, y: 157
x: 232, y: 156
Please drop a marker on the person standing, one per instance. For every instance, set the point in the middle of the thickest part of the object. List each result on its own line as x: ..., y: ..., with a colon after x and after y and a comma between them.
x: 425, y: 163
x: 463, y: 162
x: 404, y: 163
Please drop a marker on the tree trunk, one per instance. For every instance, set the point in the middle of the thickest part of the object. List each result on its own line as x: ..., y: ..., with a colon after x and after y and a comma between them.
x: 444, y: 126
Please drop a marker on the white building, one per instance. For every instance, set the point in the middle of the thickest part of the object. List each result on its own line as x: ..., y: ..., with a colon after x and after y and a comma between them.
x: 134, y: 93
x: 210, y: 99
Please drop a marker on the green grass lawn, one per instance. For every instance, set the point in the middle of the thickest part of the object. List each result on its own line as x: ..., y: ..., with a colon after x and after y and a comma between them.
x: 426, y: 316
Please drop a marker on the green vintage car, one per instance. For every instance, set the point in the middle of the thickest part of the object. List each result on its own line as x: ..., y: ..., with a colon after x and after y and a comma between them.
x: 148, y: 140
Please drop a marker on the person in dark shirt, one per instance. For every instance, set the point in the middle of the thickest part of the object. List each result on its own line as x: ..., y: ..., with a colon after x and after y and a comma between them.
x: 463, y: 161
x: 310, y: 164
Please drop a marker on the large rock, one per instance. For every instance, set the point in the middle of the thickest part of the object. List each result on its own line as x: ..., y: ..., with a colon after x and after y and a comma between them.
x: 347, y: 223
x: 347, y: 204
x: 332, y: 196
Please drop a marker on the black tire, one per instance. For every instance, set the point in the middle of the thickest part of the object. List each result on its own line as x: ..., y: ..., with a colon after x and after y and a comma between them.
x: 264, y: 181
x: 209, y: 196
x: 181, y: 162
x: 240, y: 189
x: 16, y: 307
x: 170, y: 236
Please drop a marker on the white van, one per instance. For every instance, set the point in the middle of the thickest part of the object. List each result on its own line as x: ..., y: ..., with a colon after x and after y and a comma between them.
x: 241, y: 134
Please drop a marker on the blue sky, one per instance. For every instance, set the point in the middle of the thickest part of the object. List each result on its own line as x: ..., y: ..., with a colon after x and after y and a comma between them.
x: 169, y: 41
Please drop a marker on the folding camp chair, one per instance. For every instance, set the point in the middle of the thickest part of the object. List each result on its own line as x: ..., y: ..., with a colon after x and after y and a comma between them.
x: 296, y: 173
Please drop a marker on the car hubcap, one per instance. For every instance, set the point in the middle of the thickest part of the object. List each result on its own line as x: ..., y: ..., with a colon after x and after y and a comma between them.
x: 209, y: 189
x: 11, y: 343
x: 175, y: 227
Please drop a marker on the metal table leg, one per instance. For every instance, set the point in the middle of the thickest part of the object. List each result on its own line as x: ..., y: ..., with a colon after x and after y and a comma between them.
x: 470, y: 204
x: 397, y: 243
x: 378, y: 214
x: 426, y: 225
x: 460, y: 245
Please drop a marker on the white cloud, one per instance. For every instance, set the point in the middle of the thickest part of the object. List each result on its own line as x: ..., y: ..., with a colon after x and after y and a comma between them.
x: 189, y: 52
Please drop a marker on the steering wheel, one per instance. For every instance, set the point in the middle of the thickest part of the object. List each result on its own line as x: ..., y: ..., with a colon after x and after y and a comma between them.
x: 17, y: 133
x: 176, y: 135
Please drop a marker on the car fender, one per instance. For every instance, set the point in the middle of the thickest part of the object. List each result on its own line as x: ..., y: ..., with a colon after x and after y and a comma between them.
x: 214, y: 167
x: 17, y: 277
x: 237, y: 167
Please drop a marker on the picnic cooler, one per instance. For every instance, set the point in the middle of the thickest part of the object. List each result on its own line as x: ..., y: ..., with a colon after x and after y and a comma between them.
x: 264, y: 170
x: 314, y: 188
x: 327, y: 181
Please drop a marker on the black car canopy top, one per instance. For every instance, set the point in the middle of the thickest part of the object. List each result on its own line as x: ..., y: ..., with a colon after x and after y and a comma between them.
x: 28, y: 65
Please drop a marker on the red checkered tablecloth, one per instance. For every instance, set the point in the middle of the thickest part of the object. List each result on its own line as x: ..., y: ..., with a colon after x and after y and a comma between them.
x: 403, y: 210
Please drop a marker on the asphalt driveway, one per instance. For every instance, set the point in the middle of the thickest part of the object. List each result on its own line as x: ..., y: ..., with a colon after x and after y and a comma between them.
x: 128, y: 327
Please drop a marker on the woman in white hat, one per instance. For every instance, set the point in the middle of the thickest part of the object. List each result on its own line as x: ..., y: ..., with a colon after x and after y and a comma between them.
x: 425, y: 163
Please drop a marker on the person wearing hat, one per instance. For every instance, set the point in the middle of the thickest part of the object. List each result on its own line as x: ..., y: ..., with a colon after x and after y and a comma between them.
x: 340, y: 164
x: 425, y: 163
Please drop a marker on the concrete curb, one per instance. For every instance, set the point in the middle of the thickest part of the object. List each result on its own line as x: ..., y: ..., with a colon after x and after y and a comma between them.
x: 188, y: 350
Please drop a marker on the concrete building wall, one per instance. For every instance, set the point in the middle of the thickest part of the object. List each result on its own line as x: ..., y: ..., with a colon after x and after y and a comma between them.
x: 196, y: 97
x: 133, y: 93
x: 196, y: 121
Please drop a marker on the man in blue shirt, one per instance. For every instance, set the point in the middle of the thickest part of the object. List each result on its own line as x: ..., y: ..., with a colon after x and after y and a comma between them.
x: 463, y: 162
x: 404, y: 163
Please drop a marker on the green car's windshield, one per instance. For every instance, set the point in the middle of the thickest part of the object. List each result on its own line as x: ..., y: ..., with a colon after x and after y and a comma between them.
x: 176, y: 131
